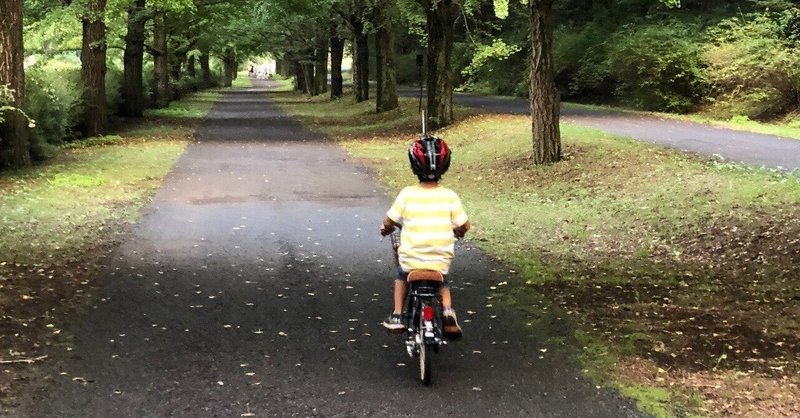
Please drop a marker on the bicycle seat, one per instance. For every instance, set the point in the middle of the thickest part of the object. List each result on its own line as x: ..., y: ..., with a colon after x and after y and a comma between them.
x: 425, y: 275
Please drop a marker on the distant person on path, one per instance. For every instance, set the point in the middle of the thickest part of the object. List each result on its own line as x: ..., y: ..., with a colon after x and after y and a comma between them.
x: 252, y: 71
x: 431, y: 217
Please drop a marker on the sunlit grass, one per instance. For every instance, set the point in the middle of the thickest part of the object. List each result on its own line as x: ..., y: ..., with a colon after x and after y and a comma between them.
x: 66, y: 204
x: 242, y: 80
x: 193, y: 106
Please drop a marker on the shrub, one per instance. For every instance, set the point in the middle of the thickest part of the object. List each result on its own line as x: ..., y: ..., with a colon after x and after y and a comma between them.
x: 53, y: 97
x: 580, y: 61
x: 657, y: 67
x: 114, y: 82
x: 754, y: 64
x: 406, y: 69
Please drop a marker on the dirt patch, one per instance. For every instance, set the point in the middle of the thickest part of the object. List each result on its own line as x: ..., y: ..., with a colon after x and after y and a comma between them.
x: 722, y: 318
x: 726, y: 394
x: 37, y: 302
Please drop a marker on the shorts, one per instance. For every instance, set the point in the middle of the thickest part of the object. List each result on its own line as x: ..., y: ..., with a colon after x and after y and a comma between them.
x: 403, y: 275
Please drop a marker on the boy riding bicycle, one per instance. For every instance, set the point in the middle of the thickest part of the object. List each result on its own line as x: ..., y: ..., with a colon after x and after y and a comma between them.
x: 431, y: 217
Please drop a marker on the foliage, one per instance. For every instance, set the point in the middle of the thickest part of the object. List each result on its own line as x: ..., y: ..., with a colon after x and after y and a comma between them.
x: 498, y: 50
x: 754, y: 63
x: 656, y: 67
x: 53, y: 99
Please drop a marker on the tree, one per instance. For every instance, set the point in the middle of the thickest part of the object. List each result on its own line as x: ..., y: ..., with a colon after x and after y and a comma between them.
x: 337, y: 54
x: 133, y: 59
x: 13, y: 135
x: 93, y: 68
x: 161, y: 59
x: 440, y: 19
x: 386, y: 94
x: 543, y: 95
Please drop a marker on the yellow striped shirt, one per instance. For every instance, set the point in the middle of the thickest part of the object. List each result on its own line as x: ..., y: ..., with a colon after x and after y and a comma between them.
x: 428, y: 216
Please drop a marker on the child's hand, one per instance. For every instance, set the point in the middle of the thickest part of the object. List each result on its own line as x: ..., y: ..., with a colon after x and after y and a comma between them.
x: 386, y: 230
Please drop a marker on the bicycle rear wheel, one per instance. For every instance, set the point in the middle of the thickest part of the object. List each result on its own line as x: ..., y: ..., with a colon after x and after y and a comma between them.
x: 424, y: 356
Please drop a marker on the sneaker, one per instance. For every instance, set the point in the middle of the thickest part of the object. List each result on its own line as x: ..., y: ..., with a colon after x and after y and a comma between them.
x: 451, y: 328
x: 394, y: 323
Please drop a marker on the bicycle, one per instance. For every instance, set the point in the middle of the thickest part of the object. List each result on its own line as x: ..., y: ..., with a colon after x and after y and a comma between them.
x: 422, y: 314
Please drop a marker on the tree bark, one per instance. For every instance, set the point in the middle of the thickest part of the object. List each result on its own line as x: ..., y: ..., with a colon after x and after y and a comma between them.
x: 93, y: 69
x: 191, y: 68
x: 205, y: 68
x: 337, y: 54
x: 440, y: 21
x: 386, y: 96
x: 299, y: 78
x: 321, y: 66
x: 14, y: 148
x: 308, y: 76
x: 361, y: 76
x: 161, y: 58
x: 133, y: 85
x: 229, y: 66
x: 544, y: 96
x: 178, y: 59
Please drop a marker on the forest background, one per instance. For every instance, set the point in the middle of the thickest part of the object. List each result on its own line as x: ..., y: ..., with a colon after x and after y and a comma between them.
x: 731, y: 60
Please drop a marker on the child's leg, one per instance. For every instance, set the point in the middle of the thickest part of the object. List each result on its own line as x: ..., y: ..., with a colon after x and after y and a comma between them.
x: 447, y: 301
x: 399, y: 295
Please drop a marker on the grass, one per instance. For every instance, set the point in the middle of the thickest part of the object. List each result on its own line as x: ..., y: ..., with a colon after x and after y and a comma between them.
x: 58, y: 207
x: 193, y: 106
x: 655, y: 254
x: 242, y: 80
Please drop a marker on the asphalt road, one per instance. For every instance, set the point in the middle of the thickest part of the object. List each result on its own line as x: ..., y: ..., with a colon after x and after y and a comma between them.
x: 727, y: 144
x: 254, y: 285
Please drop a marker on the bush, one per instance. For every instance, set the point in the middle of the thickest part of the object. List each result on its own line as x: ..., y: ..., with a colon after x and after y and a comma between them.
x: 754, y: 64
x: 53, y: 97
x: 657, y: 67
x: 580, y: 62
x: 406, y: 69
x: 114, y: 80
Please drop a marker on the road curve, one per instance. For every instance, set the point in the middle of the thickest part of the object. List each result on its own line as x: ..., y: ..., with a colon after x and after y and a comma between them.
x: 745, y: 147
x: 254, y: 285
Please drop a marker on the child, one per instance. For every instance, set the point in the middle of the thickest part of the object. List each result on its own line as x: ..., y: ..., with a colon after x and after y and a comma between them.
x: 431, y: 216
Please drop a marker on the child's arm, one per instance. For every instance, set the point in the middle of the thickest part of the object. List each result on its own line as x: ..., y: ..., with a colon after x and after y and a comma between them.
x: 388, y: 226
x: 462, y: 230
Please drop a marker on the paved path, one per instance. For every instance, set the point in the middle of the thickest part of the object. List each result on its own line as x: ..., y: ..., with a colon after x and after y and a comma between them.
x: 751, y: 148
x: 254, y: 286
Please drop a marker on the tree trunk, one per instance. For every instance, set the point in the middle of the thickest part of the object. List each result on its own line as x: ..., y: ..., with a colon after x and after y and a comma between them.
x: 229, y: 66
x: 361, y: 75
x: 299, y: 78
x: 386, y: 97
x: 93, y: 69
x: 179, y: 57
x: 13, y: 129
x: 544, y: 96
x: 133, y: 85
x: 440, y: 21
x: 161, y: 58
x: 308, y: 76
x: 205, y: 68
x: 337, y: 53
x: 321, y: 67
x: 191, y: 69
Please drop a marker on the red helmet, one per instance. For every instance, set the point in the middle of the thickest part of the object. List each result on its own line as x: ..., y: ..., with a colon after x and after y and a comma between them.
x: 429, y: 157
